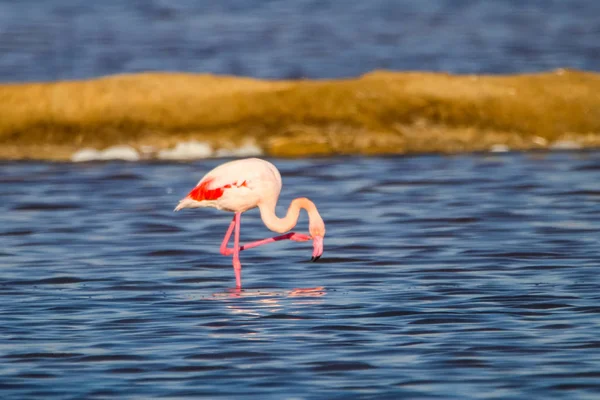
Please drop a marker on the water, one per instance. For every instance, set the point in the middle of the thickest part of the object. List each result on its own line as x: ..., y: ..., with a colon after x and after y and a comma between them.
x: 464, y: 277
x: 67, y: 39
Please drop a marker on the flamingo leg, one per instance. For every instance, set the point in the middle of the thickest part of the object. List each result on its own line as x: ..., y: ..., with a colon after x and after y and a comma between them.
x: 224, y: 250
x: 237, y: 266
x: 234, y: 227
x: 297, y: 237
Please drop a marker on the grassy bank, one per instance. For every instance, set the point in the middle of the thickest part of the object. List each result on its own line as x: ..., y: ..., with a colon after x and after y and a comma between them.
x: 378, y: 113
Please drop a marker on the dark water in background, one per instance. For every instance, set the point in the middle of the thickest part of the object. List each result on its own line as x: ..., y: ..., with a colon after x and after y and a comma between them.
x: 66, y: 39
x: 443, y: 277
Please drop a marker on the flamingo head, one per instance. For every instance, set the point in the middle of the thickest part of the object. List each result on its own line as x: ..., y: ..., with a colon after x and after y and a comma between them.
x: 317, y: 232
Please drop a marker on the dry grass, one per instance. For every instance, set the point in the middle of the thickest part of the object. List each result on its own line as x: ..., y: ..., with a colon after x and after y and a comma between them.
x: 381, y: 112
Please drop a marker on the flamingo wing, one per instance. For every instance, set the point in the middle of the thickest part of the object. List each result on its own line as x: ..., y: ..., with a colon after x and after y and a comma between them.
x: 211, y: 189
x: 234, y: 186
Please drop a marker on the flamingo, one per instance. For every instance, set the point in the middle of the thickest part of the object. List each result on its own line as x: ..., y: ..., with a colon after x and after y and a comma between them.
x: 240, y: 185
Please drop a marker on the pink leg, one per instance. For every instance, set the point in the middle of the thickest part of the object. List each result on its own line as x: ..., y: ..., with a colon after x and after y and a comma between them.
x: 235, y: 226
x: 237, y: 266
x: 224, y: 250
x: 297, y: 237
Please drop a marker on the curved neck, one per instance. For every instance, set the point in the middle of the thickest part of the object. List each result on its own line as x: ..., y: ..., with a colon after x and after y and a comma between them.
x: 287, y: 223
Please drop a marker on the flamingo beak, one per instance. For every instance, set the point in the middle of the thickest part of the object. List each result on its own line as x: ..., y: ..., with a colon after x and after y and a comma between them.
x: 317, y: 248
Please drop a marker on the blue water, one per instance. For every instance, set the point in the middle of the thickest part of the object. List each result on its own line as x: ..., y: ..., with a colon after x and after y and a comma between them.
x: 464, y: 277
x: 67, y: 39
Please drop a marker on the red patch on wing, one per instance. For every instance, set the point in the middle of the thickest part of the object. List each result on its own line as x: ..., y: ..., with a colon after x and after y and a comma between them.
x: 203, y: 192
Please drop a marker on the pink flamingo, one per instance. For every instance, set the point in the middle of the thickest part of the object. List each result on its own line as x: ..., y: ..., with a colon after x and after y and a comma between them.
x: 241, y: 185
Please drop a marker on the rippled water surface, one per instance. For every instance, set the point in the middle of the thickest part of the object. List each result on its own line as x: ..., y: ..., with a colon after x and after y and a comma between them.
x: 72, y: 39
x: 443, y: 277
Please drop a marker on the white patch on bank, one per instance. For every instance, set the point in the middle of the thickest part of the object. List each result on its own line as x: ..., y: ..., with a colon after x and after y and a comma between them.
x: 86, y: 154
x: 246, y: 150
x: 124, y: 153
x: 186, y: 151
x: 499, y: 148
x: 565, y: 145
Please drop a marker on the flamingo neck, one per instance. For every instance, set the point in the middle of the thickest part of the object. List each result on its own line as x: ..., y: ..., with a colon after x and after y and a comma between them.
x: 287, y: 223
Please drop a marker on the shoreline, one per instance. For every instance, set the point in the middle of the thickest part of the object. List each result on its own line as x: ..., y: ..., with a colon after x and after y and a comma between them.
x: 379, y: 113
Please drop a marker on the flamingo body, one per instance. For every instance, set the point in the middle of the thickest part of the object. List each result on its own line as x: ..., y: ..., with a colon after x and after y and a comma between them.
x: 235, y: 186
x: 240, y: 185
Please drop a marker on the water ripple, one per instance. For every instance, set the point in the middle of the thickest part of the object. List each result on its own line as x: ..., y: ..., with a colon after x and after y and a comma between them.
x: 434, y: 272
